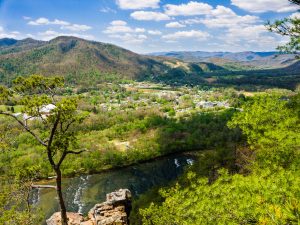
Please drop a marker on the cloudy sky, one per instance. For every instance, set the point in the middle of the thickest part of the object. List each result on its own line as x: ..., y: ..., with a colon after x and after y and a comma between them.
x: 150, y: 25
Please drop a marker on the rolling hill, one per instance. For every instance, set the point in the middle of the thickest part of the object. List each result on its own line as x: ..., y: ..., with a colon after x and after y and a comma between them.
x: 238, y: 60
x: 71, y: 55
x: 81, y: 60
x: 85, y: 63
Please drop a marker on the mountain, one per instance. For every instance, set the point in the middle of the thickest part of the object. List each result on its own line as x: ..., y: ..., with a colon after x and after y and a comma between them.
x: 71, y: 55
x: 81, y: 60
x: 85, y: 64
x: 240, y: 60
x: 7, y: 42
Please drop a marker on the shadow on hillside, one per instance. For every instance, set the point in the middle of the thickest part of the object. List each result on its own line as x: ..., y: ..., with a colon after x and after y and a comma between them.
x: 252, y: 80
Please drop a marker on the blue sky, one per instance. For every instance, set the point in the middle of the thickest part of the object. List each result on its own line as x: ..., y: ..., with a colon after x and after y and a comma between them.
x: 150, y: 25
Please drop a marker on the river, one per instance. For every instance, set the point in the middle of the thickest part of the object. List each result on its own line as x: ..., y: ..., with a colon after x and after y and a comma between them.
x: 83, y: 192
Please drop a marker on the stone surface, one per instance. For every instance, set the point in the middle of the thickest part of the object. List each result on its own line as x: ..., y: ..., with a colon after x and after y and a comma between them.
x: 115, y: 211
x: 73, y: 219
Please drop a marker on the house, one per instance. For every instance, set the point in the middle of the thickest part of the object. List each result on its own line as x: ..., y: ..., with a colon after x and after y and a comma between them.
x: 46, y: 110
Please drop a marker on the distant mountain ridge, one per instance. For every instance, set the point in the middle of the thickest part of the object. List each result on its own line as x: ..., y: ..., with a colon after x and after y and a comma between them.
x: 247, y: 55
x: 256, y: 59
x: 7, y: 41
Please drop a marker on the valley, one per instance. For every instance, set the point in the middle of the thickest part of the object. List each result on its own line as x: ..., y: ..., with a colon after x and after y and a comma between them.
x: 196, y: 136
x: 86, y: 63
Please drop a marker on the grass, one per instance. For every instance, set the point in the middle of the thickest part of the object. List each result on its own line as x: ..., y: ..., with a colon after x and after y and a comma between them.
x: 17, y: 108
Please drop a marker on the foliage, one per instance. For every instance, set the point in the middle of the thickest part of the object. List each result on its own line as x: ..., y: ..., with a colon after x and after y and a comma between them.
x: 268, y: 195
x: 51, y: 127
x: 289, y: 27
x: 266, y: 198
x: 271, y: 124
x: 15, y: 204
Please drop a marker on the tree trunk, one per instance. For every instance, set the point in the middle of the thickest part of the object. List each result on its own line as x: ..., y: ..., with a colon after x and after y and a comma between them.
x: 64, y: 218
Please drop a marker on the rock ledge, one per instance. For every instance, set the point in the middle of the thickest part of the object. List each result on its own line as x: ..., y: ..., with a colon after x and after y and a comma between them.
x: 114, y: 211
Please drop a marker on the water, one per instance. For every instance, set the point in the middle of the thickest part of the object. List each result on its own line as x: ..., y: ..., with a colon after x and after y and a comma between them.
x: 83, y: 192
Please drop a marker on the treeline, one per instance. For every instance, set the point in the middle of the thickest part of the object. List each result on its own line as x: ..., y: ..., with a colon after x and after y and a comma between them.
x: 251, y: 80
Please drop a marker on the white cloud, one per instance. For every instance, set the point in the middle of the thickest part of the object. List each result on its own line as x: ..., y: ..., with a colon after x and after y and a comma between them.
x: 76, y: 27
x: 120, y: 26
x: 192, y: 21
x: 222, y: 11
x: 247, y: 33
x: 39, y: 21
x: 118, y: 29
x: 137, y: 4
x: 259, y: 6
x: 130, y: 38
x: 107, y: 10
x: 190, y: 9
x: 139, y: 30
x: 149, y: 15
x: 64, y: 24
x: 154, y: 32
x: 60, y: 22
x: 225, y: 17
x: 194, y: 34
x: 50, y: 34
x: 256, y: 38
x: 7, y: 34
x: 118, y: 23
x: 175, y: 25
x: 222, y: 17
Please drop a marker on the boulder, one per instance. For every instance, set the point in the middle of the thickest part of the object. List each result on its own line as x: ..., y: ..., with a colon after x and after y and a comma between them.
x: 73, y: 219
x: 114, y: 211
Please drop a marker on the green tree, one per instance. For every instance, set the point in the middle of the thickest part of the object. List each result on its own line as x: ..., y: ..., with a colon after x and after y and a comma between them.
x: 268, y: 195
x: 271, y: 125
x: 265, y: 199
x: 15, y: 199
x: 289, y: 27
x: 49, y: 118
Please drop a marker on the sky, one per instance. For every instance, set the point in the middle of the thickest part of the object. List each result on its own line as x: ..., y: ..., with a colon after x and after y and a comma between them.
x: 146, y: 26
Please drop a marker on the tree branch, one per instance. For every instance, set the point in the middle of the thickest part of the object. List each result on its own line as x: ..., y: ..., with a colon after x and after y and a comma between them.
x: 53, y: 130
x: 68, y: 125
x: 62, y: 158
x: 25, y: 127
x: 65, y: 153
x: 76, y: 153
x: 42, y: 186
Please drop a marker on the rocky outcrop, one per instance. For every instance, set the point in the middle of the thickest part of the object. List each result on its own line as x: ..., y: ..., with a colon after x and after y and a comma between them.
x: 74, y: 219
x: 114, y: 211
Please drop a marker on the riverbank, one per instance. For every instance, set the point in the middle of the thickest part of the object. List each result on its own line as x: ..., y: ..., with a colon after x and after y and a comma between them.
x: 83, y: 192
x: 193, y: 153
x: 115, y: 210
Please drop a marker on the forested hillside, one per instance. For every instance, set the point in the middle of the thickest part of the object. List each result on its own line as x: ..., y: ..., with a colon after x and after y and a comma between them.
x: 73, y: 58
x: 266, y: 190
x: 86, y: 63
